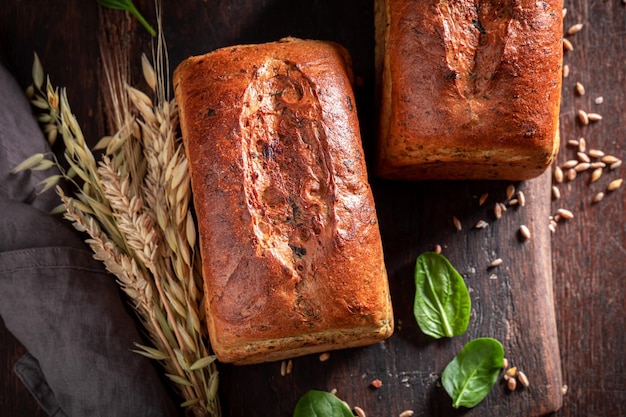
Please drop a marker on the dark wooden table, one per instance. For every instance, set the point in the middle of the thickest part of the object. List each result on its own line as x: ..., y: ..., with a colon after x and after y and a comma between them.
x: 583, y: 261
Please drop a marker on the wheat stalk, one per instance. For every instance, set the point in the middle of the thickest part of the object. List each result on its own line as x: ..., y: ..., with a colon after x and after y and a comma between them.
x: 135, y: 205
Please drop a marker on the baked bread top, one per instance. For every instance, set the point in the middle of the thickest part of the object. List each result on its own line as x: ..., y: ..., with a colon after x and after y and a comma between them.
x: 292, y: 255
x: 468, y: 89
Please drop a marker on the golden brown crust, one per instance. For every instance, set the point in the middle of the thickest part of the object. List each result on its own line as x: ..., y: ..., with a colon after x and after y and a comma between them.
x: 292, y: 256
x: 469, y: 89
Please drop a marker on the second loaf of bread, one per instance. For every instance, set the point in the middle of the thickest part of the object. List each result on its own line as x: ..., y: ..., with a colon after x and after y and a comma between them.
x: 291, y: 250
x: 468, y: 89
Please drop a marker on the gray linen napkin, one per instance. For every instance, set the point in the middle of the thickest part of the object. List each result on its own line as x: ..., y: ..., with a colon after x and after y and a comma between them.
x: 57, y: 300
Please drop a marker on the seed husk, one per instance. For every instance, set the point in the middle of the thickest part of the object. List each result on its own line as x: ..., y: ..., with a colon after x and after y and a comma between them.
x: 609, y: 159
x: 510, y: 191
x: 511, y: 384
x: 437, y: 249
x: 564, y: 11
x: 615, y: 184
x: 524, y: 232
x: 497, y: 210
x: 359, y: 412
x: 599, y: 100
x: 596, y: 153
x: 457, y: 223
x: 598, y: 197
x: 522, y: 378
x: 583, y: 117
x: 596, y: 174
x: 289, y: 367
x: 558, y: 174
x: 564, y: 389
x: 567, y: 44
x: 571, y: 174
x: 583, y: 166
x: 565, y: 214
x: 482, y: 199
x: 570, y: 163
x: 574, y: 29
x: 583, y: 157
x: 580, y: 89
x: 496, y: 262
x: 481, y: 224
x: 505, y: 363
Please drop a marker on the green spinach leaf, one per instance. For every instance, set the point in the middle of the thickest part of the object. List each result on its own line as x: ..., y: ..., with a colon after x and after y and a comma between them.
x: 442, y: 303
x: 469, y: 377
x: 321, y: 404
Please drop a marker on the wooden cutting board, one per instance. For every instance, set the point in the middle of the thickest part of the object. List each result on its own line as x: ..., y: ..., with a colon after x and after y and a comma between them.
x: 511, y: 302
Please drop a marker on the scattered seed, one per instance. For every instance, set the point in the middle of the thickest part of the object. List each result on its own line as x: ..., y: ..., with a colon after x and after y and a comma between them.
x: 567, y: 45
x: 521, y: 198
x: 523, y: 379
x: 493, y: 276
x: 289, y: 367
x: 437, y: 249
x: 580, y: 89
x: 497, y: 210
x: 564, y: 11
x: 333, y: 391
x: 596, y: 153
x: 506, y: 377
x: 513, y: 202
x: 377, y: 383
x: 324, y: 357
x: 556, y: 194
x: 564, y: 213
x: 564, y: 389
x: 510, y: 191
x: 571, y: 174
x: 599, y: 100
x: 583, y: 166
x: 596, y: 174
x: 570, y: 163
x: 512, y: 371
x: 505, y: 363
x: 598, y: 197
x: 558, y: 174
x: 598, y: 164
x: 503, y: 206
x: 481, y: 224
x: 582, y: 145
x: 615, y: 184
x: 583, y: 157
x: 594, y: 117
x: 482, y: 199
x: 496, y: 262
x: 583, y: 116
x: 565, y: 71
x: 457, y: 223
x: 406, y: 413
x: 552, y: 228
x: 573, y: 142
x: 574, y: 29
x: 615, y: 165
x: 524, y: 232
x: 609, y: 159
x: 359, y: 412
x: 511, y: 384
x: 283, y: 368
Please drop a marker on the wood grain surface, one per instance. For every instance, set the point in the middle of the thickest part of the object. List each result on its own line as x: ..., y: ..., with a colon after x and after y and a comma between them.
x: 582, y: 264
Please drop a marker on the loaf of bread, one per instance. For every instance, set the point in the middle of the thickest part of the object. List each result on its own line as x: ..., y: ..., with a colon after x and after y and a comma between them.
x: 468, y: 89
x: 291, y: 250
